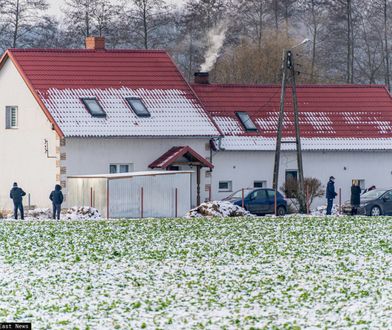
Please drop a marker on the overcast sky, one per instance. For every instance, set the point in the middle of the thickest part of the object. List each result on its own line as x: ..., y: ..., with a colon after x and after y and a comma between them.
x: 55, y: 5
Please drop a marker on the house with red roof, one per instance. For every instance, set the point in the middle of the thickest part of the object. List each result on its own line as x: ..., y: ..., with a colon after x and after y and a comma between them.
x: 93, y: 111
x: 72, y: 112
x: 346, y: 132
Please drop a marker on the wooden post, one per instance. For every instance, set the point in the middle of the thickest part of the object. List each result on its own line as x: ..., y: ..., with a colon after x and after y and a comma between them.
x: 301, y: 181
x: 141, y: 202
x: 307, y: 200
x: 243, y: 198
x: 276, y: 202
x: 280, y: 124
x: 29, y: 200
x: 91, y: 196
x: 209, y: 193
x: 176, y: 203
x: 340, y: 199
x: 198, y: 185
x: 107, y: 200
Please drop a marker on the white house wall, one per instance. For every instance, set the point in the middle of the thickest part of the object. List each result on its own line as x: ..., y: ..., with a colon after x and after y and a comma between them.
x: 22, y: 156
x: 245, y: 167
x: 84, y: 156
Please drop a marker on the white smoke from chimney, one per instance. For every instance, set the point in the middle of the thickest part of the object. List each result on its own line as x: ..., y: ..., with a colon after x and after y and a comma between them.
x: 216, y: 36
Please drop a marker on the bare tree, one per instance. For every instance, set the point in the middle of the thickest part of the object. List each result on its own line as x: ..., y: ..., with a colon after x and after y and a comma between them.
x: 20, y: 19
x: 89, y: 17
x: 251, y: 19
x: 313, y: 189
x: 149, y: 20
x: 314, y: 15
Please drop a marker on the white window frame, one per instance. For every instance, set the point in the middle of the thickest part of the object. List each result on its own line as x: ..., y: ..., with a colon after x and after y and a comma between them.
x: 118, y: 166
x: 263, y: 183
x: 246, y: 121
x: 10, y: 113
x: 229, y: 186
x: 361, y: 183
x: 86, y: 102
x: 131, y: 102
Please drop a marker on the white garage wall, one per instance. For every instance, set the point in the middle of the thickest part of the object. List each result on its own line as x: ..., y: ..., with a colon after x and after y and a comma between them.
x: 86, y: 156
x: 243, y: 167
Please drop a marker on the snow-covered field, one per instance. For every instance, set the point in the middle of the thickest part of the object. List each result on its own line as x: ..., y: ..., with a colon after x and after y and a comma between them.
x: 238, y: 273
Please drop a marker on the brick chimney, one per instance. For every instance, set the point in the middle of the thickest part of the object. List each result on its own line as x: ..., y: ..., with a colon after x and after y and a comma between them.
x: 202, y: 78
x: 95, y: 43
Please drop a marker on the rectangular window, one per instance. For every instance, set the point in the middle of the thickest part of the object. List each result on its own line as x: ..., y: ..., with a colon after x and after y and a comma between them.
x: 120, y: 168
x: 93, y: 107
x: 11, y: 117
x: 291, y: 175
x: 361, y: 183
x: 259, y: 184
x: 246, y: 121
x: 291, y: 183
x: 225, y: 186
x: 138, y: 107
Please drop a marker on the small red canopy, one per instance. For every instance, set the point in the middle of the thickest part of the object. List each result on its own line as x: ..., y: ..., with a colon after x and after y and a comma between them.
x: 172, y: 155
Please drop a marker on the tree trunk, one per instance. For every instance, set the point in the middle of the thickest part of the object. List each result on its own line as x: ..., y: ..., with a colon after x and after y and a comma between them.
x: 16, y: 29
x: 145, y: 25
x: 386, y: 49
x: 314, y: 40
x: 276, y: 14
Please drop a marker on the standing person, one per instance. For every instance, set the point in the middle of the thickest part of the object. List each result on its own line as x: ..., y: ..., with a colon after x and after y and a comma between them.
x: 355, y: 197
x: 56, y: 196
x: 16, y: 194
x: 330, y: 194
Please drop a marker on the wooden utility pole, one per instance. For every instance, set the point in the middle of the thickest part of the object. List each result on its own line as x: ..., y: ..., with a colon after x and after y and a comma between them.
x: 288, y: 64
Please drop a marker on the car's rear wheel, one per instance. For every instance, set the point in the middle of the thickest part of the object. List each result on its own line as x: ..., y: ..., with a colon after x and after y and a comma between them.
x: 281, y: 211
x: 375, y: 211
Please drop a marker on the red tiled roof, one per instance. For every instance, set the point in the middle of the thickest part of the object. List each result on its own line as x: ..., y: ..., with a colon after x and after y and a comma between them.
x: 58, y: 78
x: 83, y: 68
x: 173, y: 154
x: 326, y: 111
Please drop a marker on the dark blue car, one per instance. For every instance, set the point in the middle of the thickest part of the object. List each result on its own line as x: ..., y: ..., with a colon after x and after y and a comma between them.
x: 259, y: 201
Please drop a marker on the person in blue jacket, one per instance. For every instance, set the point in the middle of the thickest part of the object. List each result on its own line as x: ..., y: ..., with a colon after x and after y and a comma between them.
x: 16, y: 194
x: 330, y: 194
x: 56, y: 196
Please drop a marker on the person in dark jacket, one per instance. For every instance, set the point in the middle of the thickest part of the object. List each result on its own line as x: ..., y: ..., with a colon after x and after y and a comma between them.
x: 355, y: 197
x: 16, y: 194
x: 56, y: 196
x: 330, y: 194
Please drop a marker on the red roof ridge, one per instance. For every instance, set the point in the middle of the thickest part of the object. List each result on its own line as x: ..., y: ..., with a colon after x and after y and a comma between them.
x: 298, y: 86
x: 82, y: 50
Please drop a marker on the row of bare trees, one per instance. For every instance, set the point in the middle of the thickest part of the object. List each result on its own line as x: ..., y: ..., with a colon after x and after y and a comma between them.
x: 350, y: 39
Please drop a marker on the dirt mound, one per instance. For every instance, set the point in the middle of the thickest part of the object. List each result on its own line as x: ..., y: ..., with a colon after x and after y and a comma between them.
x: 217, y: 209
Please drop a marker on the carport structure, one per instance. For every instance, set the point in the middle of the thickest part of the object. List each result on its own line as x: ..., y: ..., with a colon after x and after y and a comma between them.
x: 183, y: 156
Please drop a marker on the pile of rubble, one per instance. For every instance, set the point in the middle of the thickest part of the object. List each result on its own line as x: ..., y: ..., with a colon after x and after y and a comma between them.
x: 217, y: 209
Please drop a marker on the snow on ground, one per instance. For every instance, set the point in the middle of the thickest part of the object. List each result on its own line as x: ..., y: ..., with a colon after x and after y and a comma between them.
x: 73, y: 213
x: 233, y: 273
x: 217, y: 209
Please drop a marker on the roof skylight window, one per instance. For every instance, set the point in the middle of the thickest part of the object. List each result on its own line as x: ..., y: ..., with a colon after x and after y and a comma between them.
x: 138, y: 106
x: 92, y: 105
x: 246, y: 121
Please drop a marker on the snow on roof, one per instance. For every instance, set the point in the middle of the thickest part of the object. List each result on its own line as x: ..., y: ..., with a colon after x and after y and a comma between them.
x: 332, y: 117
x: 172, y: 113
x: 60, y: 77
